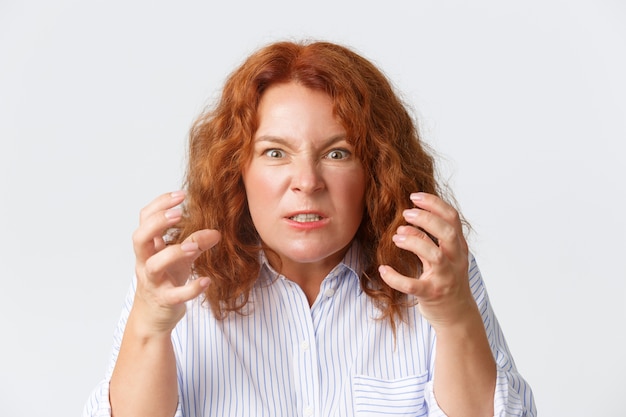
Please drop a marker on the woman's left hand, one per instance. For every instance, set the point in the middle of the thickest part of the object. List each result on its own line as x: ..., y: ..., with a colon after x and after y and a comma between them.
x: 442, y: 289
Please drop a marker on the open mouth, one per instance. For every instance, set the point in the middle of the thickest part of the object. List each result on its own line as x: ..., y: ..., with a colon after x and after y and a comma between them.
x: 306, y: 218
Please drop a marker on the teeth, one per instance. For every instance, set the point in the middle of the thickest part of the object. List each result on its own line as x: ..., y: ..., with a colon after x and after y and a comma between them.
x: 305, y: 218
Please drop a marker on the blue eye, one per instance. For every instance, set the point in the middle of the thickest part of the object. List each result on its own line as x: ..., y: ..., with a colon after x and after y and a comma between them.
x: 274, y: 153
x: 337, y: 154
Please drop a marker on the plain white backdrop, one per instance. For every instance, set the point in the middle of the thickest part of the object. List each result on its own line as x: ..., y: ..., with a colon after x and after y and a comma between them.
x: 524, y: 101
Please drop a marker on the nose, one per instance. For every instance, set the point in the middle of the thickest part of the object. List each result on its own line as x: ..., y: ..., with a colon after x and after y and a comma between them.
x: 306, y: 177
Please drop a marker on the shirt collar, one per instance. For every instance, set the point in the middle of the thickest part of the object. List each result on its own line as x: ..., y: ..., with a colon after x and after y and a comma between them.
x: 351, y: 262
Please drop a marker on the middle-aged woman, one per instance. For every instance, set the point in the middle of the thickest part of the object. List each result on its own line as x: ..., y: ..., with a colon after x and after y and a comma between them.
x: 315, y: 267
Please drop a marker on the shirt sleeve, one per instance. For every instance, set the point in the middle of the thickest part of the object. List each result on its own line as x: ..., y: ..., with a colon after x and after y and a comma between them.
x: 98, y: 404
x: 513, y: 396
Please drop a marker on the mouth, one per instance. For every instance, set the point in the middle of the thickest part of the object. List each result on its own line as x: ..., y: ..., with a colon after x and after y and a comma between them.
x: 306, y: 218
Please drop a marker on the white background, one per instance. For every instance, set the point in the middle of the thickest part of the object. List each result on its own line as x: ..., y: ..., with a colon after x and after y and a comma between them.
x: 525, y: 102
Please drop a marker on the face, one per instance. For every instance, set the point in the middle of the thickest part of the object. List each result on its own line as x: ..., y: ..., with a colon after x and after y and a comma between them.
x: 305, y: 188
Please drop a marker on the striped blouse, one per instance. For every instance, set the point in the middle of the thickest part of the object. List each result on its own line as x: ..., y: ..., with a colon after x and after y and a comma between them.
x: 285, y: 358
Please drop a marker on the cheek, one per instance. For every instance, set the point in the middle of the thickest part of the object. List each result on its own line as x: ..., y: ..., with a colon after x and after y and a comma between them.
x: 260, y: 184
x: 260, y: 188
x: 353, y: 191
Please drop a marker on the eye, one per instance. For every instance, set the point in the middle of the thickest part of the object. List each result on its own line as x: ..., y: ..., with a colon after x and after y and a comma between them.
x: 274, y: 153
x: 338, y: 154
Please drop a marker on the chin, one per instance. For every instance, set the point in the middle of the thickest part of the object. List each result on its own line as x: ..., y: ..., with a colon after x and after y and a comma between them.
x: 310, y: 255
x: 306, y: 258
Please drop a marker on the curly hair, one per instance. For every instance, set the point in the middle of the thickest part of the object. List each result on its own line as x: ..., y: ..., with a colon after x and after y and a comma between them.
x: 378, y: 125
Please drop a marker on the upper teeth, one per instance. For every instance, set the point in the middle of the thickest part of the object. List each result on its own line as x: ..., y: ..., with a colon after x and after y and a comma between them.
x: 306, y: 218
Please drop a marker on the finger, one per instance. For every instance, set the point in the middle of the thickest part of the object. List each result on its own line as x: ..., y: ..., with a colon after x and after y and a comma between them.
x: 421, y: 245
x: 162, y: 202
x: 444, y: 233
x: 417, y: 231
x: 205, y: 239
x: 175, y: 261
x: 409, y: 230
x: 437, y: 206
x: 413, y: 286
x: 184, y: 293
x: 148, y: 238
x: 453, y: 238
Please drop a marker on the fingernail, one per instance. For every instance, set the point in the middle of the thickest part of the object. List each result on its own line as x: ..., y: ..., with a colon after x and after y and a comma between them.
x: 399, y: 238
x: 382, y: 270
x: 204, y: 282
x: 177, y: 194
x: 173, y: 213
x: 417, y: 197
x: 410, y: 214
x: 189, y: 247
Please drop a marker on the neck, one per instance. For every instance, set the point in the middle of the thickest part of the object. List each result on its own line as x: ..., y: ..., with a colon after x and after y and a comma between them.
x: 309, y: 275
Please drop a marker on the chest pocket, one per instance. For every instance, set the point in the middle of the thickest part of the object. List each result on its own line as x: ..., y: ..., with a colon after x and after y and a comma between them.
x: 397, y: 397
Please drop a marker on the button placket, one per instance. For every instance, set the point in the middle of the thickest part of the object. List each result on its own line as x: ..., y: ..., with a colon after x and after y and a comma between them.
x: 305, y: 355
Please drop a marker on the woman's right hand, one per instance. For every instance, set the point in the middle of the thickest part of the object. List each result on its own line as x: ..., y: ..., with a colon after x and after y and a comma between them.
x: 163, y: 271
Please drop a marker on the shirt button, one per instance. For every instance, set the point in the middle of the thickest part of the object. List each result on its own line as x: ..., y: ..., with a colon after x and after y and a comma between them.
x: 329, y: 292
x: 304, y: 345
x: 308, y: 412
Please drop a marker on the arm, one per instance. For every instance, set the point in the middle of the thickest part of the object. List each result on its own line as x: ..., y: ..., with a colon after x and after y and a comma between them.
x: 99, y: 403
x: 465, y: 370
x: 144, y: 380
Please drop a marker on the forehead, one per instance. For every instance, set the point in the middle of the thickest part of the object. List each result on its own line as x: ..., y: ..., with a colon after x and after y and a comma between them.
x: 293, y: 92
x: 294, y: 108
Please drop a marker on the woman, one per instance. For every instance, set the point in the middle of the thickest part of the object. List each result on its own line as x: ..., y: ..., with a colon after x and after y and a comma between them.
x: 329, y: 277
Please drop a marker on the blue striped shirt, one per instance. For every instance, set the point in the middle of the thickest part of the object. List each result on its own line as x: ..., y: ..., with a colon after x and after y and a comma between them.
x: 335, y: 358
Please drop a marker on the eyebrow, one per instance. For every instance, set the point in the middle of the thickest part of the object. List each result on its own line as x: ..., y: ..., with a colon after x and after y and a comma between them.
x: 282, y: 141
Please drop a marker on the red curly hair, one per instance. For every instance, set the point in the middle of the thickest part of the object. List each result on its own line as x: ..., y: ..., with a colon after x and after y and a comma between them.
x: 378, y: 125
